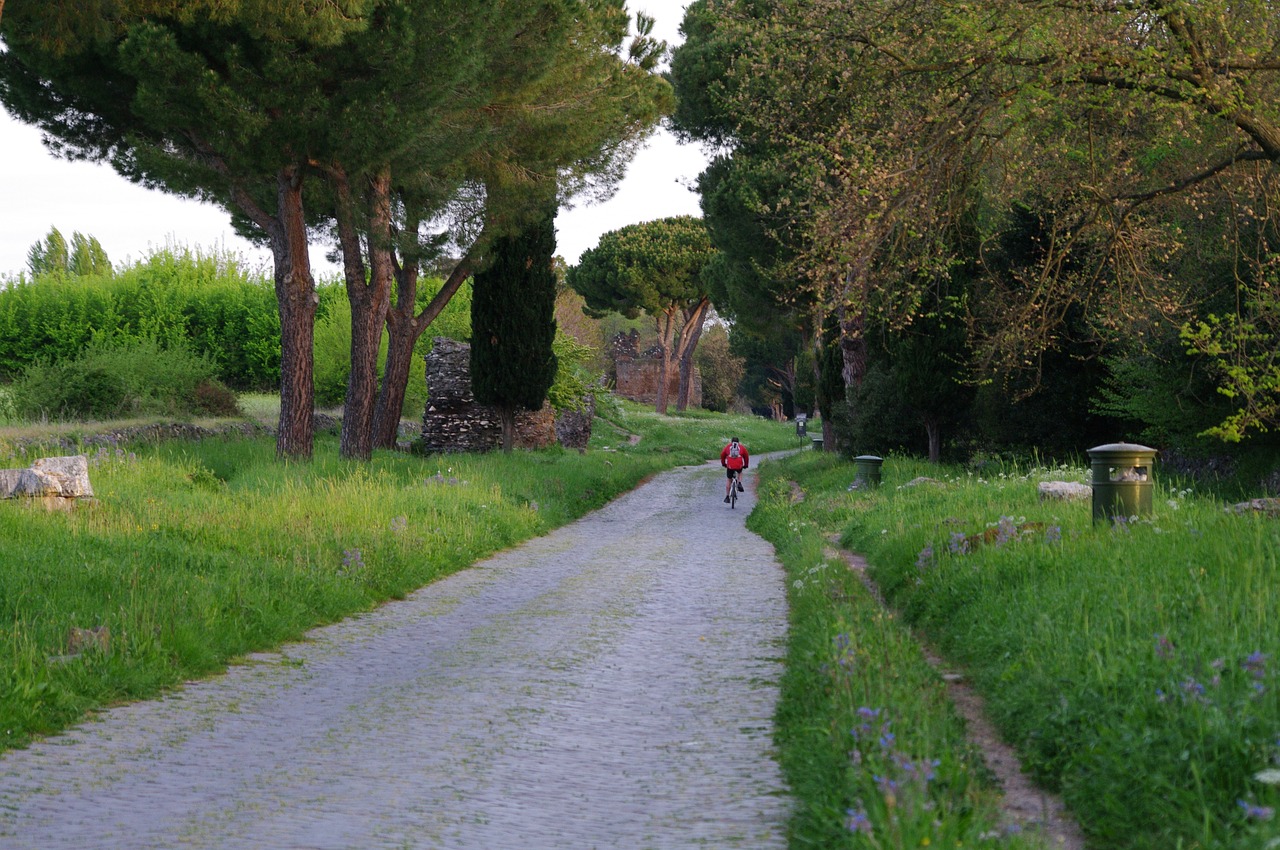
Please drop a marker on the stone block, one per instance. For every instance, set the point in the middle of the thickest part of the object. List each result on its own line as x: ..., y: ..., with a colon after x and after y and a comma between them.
x: 1064, y: 491
x: 58, y: 477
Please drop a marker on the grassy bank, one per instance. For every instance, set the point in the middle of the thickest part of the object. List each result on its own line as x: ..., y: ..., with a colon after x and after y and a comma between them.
x: 1132, y: 665
x: 870, y: 745
x: 194, y: 553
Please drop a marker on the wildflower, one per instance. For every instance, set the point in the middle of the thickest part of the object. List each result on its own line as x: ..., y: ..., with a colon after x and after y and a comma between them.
x: 1164, y: 647
x: 1006, y: 530
x: 1053, y: 534
x: 885, y: 784
x: 959, y: 544
x: 1161, y: 696
x: 1192, y: 688
x: 352, y: 559
x: 856, y: 820
x: 1270, y: 776
x: 868, y: 713
x: 1253, y: 812
x: 925, y: 559
x: 1255, y: 665
x: 399, y: 524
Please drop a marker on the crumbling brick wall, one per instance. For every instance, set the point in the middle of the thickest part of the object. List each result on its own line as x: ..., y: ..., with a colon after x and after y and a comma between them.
x: 637, y: 373
x: 455, y: 422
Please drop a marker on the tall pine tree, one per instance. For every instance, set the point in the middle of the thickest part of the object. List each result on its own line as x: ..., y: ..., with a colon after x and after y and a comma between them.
x: 513, y: 323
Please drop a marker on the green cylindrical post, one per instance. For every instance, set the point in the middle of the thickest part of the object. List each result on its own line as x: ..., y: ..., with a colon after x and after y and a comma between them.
x: 1122, y: 482
x: 866, y: 470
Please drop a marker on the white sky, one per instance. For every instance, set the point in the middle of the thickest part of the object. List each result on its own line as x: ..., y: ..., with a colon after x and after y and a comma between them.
x: 39, y: 191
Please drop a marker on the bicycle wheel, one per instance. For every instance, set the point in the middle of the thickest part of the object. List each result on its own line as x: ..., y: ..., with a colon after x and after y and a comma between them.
x: 733, y: 491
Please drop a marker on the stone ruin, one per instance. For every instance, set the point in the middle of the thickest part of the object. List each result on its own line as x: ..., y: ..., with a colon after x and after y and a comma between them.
x: 56, y: 482
x: 455, y: 422
x: 636, y: 373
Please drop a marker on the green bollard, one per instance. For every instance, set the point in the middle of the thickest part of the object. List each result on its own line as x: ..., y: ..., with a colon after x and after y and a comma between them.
x: 866, y: 471
x: 1121, y: 480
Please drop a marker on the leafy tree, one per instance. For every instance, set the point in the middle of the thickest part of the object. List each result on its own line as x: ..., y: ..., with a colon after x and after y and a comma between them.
x: 721, y: 370
x: 88, y: 257
x: 655, y: 267
x: 48, y: 257
x: 513, y: 327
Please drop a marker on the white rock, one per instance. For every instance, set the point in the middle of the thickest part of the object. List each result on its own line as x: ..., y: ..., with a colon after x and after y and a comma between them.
x: 1064, y: 491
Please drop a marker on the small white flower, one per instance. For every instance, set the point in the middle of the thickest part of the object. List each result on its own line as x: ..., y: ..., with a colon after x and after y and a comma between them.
x: 798, y: 584
x: 1173, y: 504
x: 1270, y: 776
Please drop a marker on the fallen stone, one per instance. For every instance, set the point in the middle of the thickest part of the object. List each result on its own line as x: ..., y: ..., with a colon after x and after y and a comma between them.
x: 1270, y: 507
x: 56, y: 477
x: 923, y: 479
x: 1064, y: 491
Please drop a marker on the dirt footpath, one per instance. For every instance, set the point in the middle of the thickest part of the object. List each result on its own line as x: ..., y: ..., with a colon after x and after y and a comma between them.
x: 610, y: 685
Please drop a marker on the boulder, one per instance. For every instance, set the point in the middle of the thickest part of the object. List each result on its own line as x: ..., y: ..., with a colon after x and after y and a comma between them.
x: 1064, y: 491
x: 54, y: 482
x: 58, y: 477
x: 1270, y: 507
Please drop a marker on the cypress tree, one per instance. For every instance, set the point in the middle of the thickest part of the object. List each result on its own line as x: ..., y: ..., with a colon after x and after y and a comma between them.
x: 513, y: 323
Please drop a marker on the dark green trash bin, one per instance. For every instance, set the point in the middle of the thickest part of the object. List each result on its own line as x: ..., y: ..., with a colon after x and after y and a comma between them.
x: 866, y: 471
x: 1122, y: 482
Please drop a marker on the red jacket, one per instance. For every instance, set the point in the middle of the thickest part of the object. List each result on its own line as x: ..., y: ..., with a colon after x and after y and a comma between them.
x: 742, y: 461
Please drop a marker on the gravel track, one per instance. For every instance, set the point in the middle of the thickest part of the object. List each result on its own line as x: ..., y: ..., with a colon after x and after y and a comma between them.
x: 609, y: 685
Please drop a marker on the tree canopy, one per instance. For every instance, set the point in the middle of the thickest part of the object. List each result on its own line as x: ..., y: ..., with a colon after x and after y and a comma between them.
x: 655, y: 267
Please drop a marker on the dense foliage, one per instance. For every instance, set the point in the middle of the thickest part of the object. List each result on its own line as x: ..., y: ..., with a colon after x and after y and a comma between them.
x: 1084, y: 190
x: 210, y: 301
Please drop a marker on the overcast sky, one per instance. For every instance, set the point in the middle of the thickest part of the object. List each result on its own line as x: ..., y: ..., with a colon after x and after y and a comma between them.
x: 39, y: 191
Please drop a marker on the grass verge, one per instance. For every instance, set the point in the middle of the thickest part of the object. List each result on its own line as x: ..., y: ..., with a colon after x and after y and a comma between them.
x: 194, y: 553
x: 870, y: 745
x: 1133, y: 666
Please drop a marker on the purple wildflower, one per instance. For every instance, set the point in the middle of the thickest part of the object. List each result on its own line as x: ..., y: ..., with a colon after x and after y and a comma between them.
x: 1006, y: 530
x: 1255, y: 665
x: 856, y: 820
x: 1164, y: 647
x: 959, y: 544
x: 1053, y: 534
x: 1253, y: 812
x: 925, y: 559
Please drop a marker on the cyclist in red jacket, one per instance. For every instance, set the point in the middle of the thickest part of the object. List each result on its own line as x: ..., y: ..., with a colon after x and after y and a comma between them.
x: 734, y: 458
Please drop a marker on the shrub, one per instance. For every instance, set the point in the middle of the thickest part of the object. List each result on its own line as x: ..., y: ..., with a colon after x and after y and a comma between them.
x: 216, y: 399
x: 119, y: 379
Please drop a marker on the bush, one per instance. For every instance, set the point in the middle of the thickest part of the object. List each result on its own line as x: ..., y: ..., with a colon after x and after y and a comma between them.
x: 112, y: 380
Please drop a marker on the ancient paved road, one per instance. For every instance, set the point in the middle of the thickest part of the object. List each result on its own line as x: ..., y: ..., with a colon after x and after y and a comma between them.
x: 609, y: 685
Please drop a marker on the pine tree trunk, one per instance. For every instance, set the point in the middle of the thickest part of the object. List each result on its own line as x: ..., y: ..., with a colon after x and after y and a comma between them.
x: 666, y: 336
x: 297, y: 300
x: 404, y: 327
x: 368, y: 299
x: 689, y: 336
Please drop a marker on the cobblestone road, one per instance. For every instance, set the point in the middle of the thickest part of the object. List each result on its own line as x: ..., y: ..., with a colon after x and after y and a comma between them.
x: 610, y: 685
